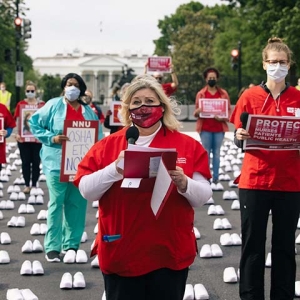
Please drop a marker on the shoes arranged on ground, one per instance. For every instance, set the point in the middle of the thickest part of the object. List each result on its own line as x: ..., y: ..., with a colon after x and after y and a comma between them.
x: 229, y: 275
x: 78, y: 281
x: 4, y: 257
x: 20, y: 294
x: 197, y: 233
x: 16, y: 221
x: 5, y: 238
x: 208, y: 251
x: 53, y: 256
x: 34, y: 247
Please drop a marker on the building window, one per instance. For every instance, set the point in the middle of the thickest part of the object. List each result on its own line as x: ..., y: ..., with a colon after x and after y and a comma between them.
x: 102, y: 78
x: 87, y: 77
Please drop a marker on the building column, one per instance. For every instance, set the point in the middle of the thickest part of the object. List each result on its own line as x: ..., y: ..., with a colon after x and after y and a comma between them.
x: 95, y: 86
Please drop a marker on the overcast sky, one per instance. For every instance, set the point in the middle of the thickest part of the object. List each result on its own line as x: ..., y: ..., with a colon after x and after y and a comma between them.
x: 97, y: 26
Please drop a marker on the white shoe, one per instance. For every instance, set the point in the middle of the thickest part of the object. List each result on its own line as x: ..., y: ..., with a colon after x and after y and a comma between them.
x: 96, y: 228
x: 26, y: 268
x: 78, y: 282
x: 4, y: 257
x: 16, y: 189
x: 9, y: 205
x: 21, y: 196
x: 189, y: 292
x: 298, y: 239
x: 197, y: 233
x: 219, y: 210
x: 5, y: 238
x: 43, y: 228
x: 233, y: 195
x: 13, y: 196
x: 37, y: 246
x: 297, y: 288
x: 14, y: 294
x: 205, y: 251
x: 218, y: 224
x: 39, y: 199
x: 95, y: 262
x: 235, y: 205
x: 22, y: 209
x: 225, y: 239
x: 229, y: 275
x: 42, y: 215
x: 220, y: 187
x: 232, y: 184
x: 210, y: 201
x: 211, y: 210
x: 200, y: 292
x: 40, y: 192
x: 216, y: 251
x: 20, y: 221
x: 35, y: 229
x: 84, y: 237
x: 95, y: 204
x: 10, y: 189
x: 66, y: 281
x: 30, y: 209
x: 1, y: 215
x: 12, y: 222
x: 226, y: 224
x: 31, y: 199
x: 37, y: 268
x: 33, y: 191
x: 81, y: 257
x: 268, y: 263
x: 236, y: 239
x: 70, y: 257
x: 226, y: 195
x: 28, y: 295
x: 27, y: 247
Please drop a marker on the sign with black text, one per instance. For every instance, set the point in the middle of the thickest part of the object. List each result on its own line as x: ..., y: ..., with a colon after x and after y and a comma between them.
x: 213, y: 107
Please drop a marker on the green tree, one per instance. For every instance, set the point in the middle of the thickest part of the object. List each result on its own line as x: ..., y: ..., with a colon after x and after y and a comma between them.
x: 49, y: 86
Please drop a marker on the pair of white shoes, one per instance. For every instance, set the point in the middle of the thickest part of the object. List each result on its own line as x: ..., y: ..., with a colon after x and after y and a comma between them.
x: 5, y: 238
x: 4, y: 257
x: 230, y: 195
x: 230, y: 275
x: 34, y: 247
x: 17, y: 196
x: 7, y: 204
x: 197, y: 292
x: 4, y: 178
x: 71, y: 256
x: 18, y: 180
x: 38, y: 229
x: 224, y: 177
x: 235, y: 205
x: 35, y: 191
x: 227, y: 239
x: 42, y: 215
x: 210, y: 201
x: 23, y: 294
x: 208, y: 251
x: 197, y: 233
x: 217, y: 186
x: 26, y: 209
x: 39, y: 199
x: 215, y: 210
x: 34, y: 268
x: 16, y: 221
x: 13, y: 188
x: 77, y: 282
x: 221, y: 224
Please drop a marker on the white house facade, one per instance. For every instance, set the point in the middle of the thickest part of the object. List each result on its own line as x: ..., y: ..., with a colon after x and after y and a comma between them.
x: 99, y: 71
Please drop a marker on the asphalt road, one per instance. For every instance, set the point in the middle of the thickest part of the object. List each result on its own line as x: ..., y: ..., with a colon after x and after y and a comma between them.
x: 208, y: 271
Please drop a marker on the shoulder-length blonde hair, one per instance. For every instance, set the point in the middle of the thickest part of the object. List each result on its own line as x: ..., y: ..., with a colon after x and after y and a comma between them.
x: 171, y: 109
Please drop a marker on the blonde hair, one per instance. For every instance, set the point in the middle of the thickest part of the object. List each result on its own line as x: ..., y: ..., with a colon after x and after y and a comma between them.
x: 170, y: 106
x: 28, y: 82
x: 277, y: 44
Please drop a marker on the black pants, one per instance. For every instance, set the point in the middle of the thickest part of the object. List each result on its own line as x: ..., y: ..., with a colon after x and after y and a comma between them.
x: 162, y: 284
x: 255, y: 207
x: 30, y: 156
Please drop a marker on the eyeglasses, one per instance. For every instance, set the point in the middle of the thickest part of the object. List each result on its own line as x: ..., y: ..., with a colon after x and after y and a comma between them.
x: 30, y: 91
x: 274, y: 63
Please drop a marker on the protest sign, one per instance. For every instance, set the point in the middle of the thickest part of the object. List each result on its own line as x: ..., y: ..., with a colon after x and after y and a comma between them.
x: 159, y: 63
x: 213, y: 107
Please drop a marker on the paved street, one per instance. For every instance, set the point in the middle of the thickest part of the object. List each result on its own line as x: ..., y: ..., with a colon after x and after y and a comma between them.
x: 208, y: 271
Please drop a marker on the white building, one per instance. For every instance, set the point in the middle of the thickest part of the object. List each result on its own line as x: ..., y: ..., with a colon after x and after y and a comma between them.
x: 99, y: 71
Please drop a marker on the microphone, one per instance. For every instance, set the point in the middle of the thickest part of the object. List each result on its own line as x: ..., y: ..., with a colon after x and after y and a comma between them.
x: 244, y: 119
x: 132, y: 134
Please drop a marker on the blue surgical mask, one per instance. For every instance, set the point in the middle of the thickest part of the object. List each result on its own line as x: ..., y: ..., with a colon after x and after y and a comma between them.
x: 30, y: 95
x: 72, y: 93
x: 277, y: 73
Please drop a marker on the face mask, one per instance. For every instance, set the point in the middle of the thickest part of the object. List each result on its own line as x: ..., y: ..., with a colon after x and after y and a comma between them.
x: 211, y: 82
x: 30, y: 95
x: 277, y: 73
x: 146, y: 116
x: 72, y: 93
x: 2, y: 88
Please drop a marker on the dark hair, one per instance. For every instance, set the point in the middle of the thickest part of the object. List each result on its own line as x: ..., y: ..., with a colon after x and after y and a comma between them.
x: 206, y: 71
x: 82, y: 85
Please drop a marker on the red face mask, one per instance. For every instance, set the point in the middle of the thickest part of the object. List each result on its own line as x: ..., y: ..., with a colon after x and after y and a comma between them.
x: 146, y: 116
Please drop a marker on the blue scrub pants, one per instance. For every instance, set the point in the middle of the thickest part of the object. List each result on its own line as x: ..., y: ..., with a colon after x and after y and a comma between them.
x: 66, y: 215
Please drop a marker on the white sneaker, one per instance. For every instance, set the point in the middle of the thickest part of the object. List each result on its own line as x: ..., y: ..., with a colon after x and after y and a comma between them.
x: 70, y: 257
x: 226, y: 224
x: 66, y: 281
x: 205, y: 251
x: 226, y: 195
x: 219, y: 210
x: 236, y: 239
x: 211, y: 210
x: 20, y: 221
x: 28, y: 295
x: 14, y: 294
x: 43, y: 228
x: 95, y: 262
x: 26, y: 268
x: 30, y: 209
x: 200, y: 292
x: 37, y: 246
x: 27, y: 247
x: 78, y: 282
x: 220, y: 187
x: 225, y: 239
x: 37, y: 268
x: 81, y: 257
x: 189, y: 292
x: 218, y: 224
x: 229, y: 275
x: 42, y: 215
x: 22, y: 209
x: 235, y: 205
x: 5, y: 238
x: 12, y: 222
x: 216, y: 251
x: 35, y: 229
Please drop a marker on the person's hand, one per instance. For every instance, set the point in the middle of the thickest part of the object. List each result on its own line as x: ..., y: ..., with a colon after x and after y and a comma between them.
x: 18, y: 138
x: 58, y: 139
x: 3, y: 132
x: 109, y: 113
x: 218, y: 119
x: 179, y: 179
x: 120, y: 157
x: 197, y: 112
x: 241, y: 134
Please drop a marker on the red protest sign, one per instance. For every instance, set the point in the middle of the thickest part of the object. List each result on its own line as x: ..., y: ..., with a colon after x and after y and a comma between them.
x: 159, y: 63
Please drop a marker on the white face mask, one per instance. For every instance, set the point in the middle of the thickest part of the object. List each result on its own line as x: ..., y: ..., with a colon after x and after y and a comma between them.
x: 277, y: 73
x: 30, y: 95
x: 72, y: 93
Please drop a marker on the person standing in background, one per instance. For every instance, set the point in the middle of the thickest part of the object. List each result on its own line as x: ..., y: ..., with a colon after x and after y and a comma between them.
x: 5, y: 96
x: 67, y: 208
x: 212, y: 130
x: 298, y: 84
x: 7, y: 125
x: 269, y: 181
x: 88, y: 99
x: 29, y: 150
x: 169, y: 87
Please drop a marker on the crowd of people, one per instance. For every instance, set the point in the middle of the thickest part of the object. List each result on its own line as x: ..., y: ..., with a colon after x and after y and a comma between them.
x: 156, y: 262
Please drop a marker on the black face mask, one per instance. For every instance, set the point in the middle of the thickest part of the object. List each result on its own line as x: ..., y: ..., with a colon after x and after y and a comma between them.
x: 211, y: 82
